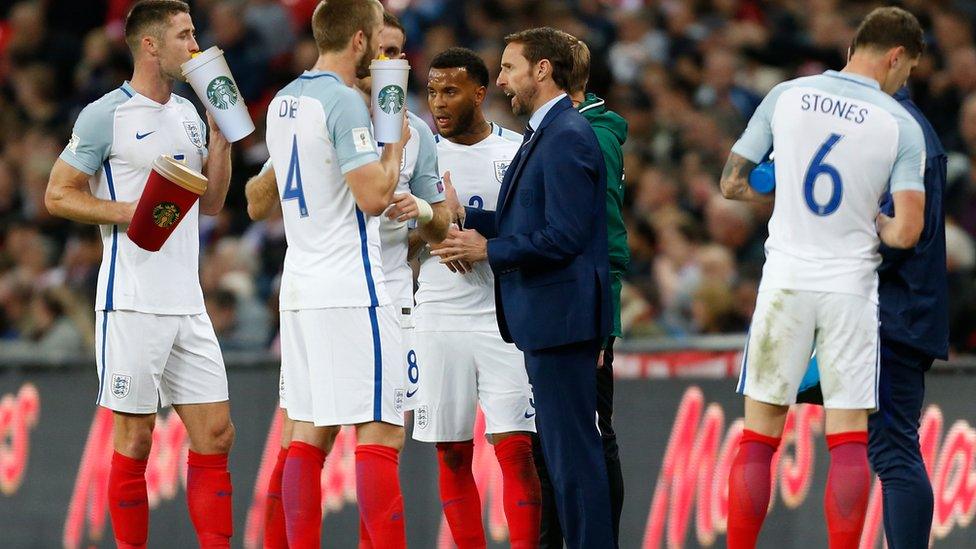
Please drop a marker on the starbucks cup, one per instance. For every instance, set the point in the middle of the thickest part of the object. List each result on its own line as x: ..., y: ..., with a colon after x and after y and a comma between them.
x: 170, y: 192
x: 213, y: 83
x: 389, y: 97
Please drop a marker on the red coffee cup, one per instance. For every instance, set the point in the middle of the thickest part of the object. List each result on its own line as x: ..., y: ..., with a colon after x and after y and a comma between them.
x: 170, y: 192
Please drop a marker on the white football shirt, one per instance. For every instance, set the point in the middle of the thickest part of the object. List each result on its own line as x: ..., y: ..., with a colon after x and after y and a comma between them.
x: 419, y: 177
x: 115, y: 140
x: 476, y: 172
x: 318, y: 131
x: 840, y: 143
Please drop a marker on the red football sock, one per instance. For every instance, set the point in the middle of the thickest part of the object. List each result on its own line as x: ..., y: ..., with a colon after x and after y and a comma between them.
x: 378, y: 491
x: 301, y: 495
x: 208, y: 494
x: 274, y: 514
x: 459, y: 494
x: 521, y: 491
x: 749, y: 487
x: 364, y: 541
x: 128, y: 501
x: 848, y: 487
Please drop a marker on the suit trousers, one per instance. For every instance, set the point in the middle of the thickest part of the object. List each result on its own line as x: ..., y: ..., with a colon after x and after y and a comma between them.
x: 564, y: 389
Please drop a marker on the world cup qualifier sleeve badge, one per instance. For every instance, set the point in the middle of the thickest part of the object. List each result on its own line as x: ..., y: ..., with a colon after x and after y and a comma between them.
x: 120, y: 385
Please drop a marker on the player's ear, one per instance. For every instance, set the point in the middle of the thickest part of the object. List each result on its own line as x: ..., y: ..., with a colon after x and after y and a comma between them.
x: 358, y: 41
x: 149, y: 45
x: 480, y: 94
x: 543, y: 69
x: 895, y: 55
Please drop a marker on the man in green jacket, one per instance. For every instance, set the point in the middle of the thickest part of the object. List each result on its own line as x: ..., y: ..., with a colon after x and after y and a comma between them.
x: 611, y: 133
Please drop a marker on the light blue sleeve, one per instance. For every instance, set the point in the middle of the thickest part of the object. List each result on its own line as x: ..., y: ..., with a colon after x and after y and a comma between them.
x: 757, y: 139
x: 426, y: 181
x: 908, y: 173
x: 349, y: 126
x: 91, y: 137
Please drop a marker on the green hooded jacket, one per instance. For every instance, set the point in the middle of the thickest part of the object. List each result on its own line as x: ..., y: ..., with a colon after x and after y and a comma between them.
x: 611, y: 132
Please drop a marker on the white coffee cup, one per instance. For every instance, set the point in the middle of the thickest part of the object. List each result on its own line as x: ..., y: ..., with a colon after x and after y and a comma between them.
x: 389, y: 97
x: 213, y: 83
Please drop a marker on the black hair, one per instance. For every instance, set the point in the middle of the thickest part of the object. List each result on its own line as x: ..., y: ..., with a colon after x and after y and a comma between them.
x: 462, y: 58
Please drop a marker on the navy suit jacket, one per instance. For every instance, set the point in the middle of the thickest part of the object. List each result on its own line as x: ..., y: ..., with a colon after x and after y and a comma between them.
x: 548, y: 238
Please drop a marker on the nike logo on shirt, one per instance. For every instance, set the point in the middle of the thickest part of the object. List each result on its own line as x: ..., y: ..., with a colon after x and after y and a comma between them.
x: 144, y: 135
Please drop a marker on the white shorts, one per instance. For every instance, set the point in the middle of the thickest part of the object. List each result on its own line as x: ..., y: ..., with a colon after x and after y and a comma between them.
x: 342, y: 366
x: 456, y: 371
x: 147, y: 361
x: 409, y: 357
x: 786, y: 327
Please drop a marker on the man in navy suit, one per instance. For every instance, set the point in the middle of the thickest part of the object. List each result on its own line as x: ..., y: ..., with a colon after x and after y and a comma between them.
x: 547, y: 247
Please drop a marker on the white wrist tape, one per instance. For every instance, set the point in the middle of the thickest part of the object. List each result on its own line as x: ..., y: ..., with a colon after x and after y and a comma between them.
x: 426, y: 212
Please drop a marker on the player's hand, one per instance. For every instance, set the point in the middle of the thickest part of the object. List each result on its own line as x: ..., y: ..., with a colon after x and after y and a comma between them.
x: 451, y: 199
x: 882, y: 221
x: 599, y: 360
x: 404, y: 132
x: 404, y: 207
x: 217, y: 139
x: 457, y: 266
x: 465, y: 245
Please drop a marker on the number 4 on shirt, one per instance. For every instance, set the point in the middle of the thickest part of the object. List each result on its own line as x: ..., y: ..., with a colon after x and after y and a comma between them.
x: 293, y: 185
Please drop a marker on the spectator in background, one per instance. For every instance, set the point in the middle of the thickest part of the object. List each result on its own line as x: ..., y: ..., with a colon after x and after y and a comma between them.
x: 271, y: 23
x: 58, y: 325
x: 733, y: 225
x: 246, y: 53
x: 961, y: 190
x: 680, y: 72
x: 32, y: 42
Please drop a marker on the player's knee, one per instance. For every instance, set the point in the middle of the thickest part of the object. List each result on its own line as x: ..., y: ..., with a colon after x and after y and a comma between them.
x: 382, y: 434
x: 222, y: 437
x: 135, y: 442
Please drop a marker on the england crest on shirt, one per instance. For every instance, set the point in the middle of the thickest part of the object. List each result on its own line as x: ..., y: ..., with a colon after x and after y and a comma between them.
x: 501, y: 166
x: 194, y: 133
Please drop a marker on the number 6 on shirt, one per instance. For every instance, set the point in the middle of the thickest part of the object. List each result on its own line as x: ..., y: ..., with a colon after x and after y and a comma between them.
x: 818, y: 168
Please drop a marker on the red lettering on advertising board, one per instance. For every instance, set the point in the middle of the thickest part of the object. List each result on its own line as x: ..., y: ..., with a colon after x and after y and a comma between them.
x: 696, y: 465
x: 338, y: 479
x: 165, y: 473
x: 18, y: 415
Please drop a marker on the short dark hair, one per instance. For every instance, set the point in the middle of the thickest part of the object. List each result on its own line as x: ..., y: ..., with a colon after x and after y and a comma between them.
x: 546, y: 43
x: 390, y: 20
x: 148, y: 16
x: 463, y: 58
x: 886, y: 28
x: 334, y: 22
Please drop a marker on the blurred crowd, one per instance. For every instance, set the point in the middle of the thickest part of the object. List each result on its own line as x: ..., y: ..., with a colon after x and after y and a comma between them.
x: 686, y: 74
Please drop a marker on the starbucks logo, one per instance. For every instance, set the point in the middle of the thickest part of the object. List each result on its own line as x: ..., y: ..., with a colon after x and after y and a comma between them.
x: 165, y: 214
x: 391, y: 99
x: 222, y: 93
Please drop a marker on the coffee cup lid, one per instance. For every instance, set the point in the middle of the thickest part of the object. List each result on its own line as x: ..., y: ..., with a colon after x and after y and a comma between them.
x: 200, y: 59
x: 180, y: 174
x: 389, y: 64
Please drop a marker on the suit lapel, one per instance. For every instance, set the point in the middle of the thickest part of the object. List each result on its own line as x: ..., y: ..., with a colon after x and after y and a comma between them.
x: 512, y: 174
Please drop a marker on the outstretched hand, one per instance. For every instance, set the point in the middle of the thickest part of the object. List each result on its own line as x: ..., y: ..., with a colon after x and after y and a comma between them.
x: 462, y: 245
